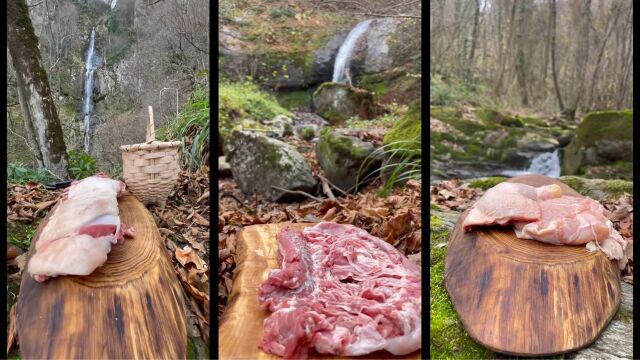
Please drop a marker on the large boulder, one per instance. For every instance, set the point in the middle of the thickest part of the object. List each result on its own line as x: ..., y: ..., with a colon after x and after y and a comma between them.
x: 346, y: 160
x: 324, y: 58
x: 260, y: 163
x: 378, y: 51
x: 602, y: 138
x: 338, y: 102
x: 537, y: 142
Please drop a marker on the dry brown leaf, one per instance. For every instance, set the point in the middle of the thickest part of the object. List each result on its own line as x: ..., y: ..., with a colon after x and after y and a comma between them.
x: 187, y: 255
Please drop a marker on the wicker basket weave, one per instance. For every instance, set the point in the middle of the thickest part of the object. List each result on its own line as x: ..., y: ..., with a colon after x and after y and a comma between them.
x: 151, y: 169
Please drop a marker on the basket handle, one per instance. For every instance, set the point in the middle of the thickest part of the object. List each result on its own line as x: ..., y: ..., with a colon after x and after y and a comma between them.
x: 151, y: 131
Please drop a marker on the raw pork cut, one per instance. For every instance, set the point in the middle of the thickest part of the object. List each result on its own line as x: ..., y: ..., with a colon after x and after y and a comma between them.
x: 546, y: 215
x: 340, y: 291
x: 79, y: 234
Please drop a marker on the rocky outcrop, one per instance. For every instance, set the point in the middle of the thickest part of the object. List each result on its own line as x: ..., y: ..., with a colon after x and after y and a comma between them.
x: 602, y: 138
x: 338, y: 102
x: 261, y: 165
x: 346, y: 160
x: 324, y: 58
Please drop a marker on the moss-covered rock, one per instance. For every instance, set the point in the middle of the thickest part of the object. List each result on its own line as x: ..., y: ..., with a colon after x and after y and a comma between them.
x: 261, y: 164
x: 338, y: 102
x: 601, y: 139
x: 598, y: 189
x: 346, y: 160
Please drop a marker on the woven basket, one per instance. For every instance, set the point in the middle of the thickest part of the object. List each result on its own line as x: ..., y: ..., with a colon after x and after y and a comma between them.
x: 151, y: 169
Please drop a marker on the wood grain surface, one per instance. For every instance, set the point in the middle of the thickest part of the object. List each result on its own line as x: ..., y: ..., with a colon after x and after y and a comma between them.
x: 132, y: 307
x: 527, y: 298
x: 241, y: 324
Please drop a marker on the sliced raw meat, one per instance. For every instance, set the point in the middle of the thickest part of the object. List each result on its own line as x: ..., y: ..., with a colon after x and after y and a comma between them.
x: 340, y: 291
x: 544, y: 214
x: 79, y: 234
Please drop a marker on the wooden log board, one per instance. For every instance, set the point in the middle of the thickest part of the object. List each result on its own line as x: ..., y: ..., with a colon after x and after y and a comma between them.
x: 241, y: 324
x: 131, y: 307
x: 525, y: 297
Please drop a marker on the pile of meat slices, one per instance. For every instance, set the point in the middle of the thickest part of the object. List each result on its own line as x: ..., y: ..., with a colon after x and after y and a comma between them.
x: 546, y: 215
x: 340, y: 291
x: 79, y: 234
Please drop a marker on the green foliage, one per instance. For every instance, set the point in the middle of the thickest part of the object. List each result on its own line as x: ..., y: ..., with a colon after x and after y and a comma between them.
x: 18, y: 173
x: 191, y: 127
x: 441, y: 93
x: 282, y: 12
x: 81, y: 165
x: 20, y: 235
x: 292, y: 100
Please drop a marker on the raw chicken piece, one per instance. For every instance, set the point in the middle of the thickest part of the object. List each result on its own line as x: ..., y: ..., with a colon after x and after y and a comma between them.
x: 544, y: 214
x: 79, y: 234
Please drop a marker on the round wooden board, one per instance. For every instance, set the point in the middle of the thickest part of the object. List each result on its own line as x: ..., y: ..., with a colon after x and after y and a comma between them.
x: 242, y: 322
x: 130, y: 308
x: 527, y: 298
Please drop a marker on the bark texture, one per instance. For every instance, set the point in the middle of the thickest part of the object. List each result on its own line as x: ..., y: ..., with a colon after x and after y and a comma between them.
x: 38, y: 109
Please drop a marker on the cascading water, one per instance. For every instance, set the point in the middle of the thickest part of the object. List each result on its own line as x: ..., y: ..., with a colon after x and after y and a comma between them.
x: 544, y: 164
x: 87, y: 101
x: 346, y: 50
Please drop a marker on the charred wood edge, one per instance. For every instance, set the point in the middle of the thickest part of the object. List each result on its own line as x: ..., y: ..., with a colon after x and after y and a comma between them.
x: 297, y: 192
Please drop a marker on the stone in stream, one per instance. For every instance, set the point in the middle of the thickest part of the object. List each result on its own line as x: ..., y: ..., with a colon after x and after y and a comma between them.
x: 341, y: 158
x: 258, y: 163
x: 338, y: 102
x: 601, y: 139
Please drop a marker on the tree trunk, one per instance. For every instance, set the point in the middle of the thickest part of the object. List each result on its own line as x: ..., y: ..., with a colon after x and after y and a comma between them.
x: 583, y: 53
x: 552, y: 6
x: 520, y: 62
x: 503, y: 65
x: 35, y: 96
x: 474, y: 39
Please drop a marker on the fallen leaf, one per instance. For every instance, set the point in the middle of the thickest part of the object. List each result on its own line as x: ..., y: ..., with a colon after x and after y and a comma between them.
x: 187, y: 255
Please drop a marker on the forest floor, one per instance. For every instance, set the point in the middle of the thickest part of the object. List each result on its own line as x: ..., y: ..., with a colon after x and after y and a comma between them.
x: 183, y: 226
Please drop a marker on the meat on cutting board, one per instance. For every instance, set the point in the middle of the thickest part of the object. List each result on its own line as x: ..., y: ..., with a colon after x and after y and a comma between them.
x: 340, y: 291
x: 79, y: 234
x: 546, y: 215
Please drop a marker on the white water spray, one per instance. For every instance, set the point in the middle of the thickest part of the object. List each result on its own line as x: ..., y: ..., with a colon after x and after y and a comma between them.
x: 87, y: 101
x: 547, y: 164
x: 346, y: 51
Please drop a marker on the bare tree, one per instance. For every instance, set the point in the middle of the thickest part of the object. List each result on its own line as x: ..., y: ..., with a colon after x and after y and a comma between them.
x: 38, y: 109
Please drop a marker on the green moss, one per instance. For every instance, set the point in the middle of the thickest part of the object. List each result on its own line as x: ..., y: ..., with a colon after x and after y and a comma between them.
x: 330, y: 141
x: 245, y: 100
x: 374, y: 83
x: 489, y: 116
x: 408, y: 130
x: 433, y: 206
x: 529, y: 120
x: 448, y: 339
x: 576, y: 183
x: 512, y: 121
x: 453, y: 116
x: 486, y: 183
x: 619, y: 187
x: 292, y: 100
x: 307, y: 133
x: 615, y: 125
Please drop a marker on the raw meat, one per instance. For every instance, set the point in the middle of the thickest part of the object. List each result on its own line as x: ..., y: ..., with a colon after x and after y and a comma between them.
x: 544, y: 214
x: 340, y: 291
x: 79, y: 234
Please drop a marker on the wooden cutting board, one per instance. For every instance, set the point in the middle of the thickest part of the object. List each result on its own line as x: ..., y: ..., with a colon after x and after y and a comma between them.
x: 129, y: 308
x: 241, y: 324
x: 525, y: 297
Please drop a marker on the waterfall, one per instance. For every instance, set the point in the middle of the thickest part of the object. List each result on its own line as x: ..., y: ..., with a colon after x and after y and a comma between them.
x: 346, y: 50
x: 87, y: 101
x: 544, y: 164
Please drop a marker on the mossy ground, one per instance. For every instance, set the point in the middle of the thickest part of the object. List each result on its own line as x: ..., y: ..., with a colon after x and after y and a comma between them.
x: 448, y: 339
x: 486, y: 183
x: 292, y: 100
x: 587, y: 187
x: 408, y: 130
